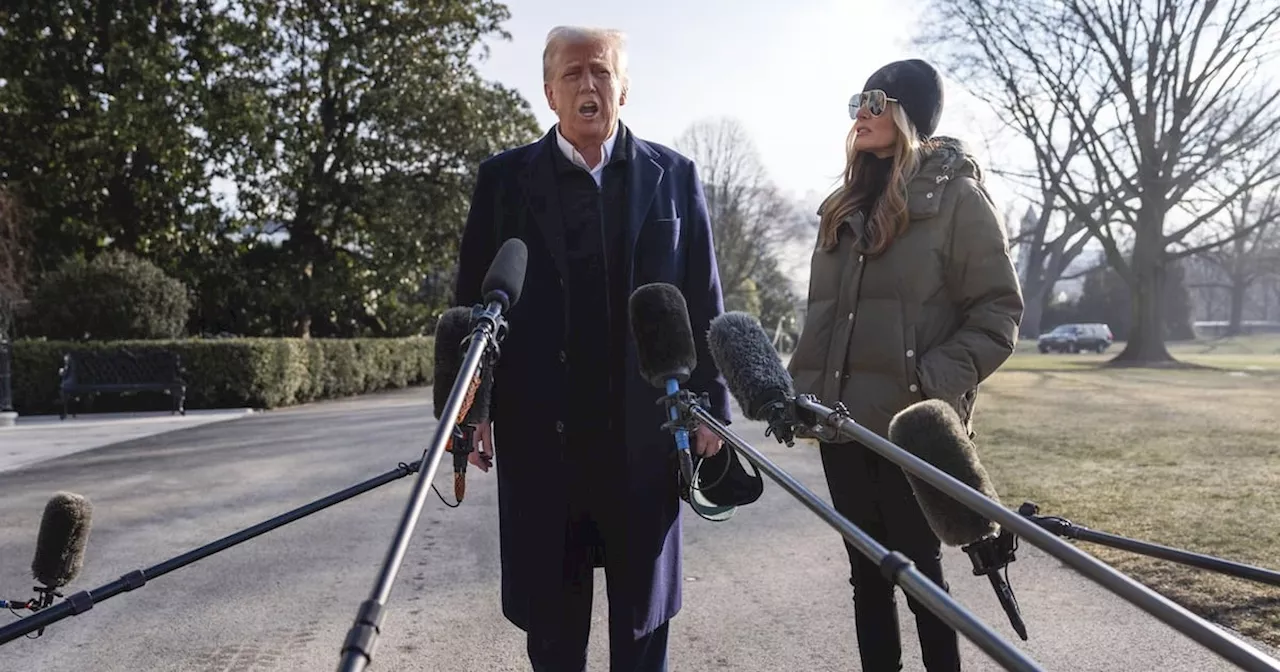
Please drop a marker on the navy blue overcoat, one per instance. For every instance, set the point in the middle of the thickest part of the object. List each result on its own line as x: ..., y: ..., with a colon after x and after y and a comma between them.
x: 668, y: 239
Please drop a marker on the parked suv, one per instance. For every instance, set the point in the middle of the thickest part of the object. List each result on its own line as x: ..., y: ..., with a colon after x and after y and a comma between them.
x: 1077, y: 338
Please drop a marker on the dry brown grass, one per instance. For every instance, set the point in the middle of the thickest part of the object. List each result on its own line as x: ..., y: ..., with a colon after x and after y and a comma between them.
x: 1184, y: 458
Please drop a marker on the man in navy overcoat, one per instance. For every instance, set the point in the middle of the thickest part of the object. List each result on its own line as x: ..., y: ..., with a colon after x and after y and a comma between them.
x: 586, y: 475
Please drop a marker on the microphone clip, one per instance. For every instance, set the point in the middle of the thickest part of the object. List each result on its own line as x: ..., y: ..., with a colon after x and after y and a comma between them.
x: 989, y: 555
x: 44, y: 601
x: 809, y: 426
x: 683, y: 401
x: 462, y: 446
x: 492, y: 320
x: 15, y: 605
x: 488, y: 320
x: 779, y: 411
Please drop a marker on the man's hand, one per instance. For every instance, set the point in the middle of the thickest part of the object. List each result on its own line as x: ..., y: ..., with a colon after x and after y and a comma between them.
x: 706, y: 442
x: 482, y: 454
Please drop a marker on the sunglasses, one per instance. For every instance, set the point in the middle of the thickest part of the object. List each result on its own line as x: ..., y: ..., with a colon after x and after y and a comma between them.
x: 874, y: 101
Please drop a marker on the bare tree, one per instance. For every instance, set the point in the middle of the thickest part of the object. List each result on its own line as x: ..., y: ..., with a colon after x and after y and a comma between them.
x: 1156, y: 95
x: 1250, y: 224
x: 1052, y: 236
x: 1050, y: 249
x: 750, y: 219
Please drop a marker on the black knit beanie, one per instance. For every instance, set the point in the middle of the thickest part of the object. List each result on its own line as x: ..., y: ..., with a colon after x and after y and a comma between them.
x: 918, y: 88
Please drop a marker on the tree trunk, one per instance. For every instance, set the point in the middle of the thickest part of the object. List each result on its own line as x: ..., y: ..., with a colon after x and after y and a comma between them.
x: 1145, y: 346
x: 1273, y: 299
x: 1238, y: 290
x: 1036, y: 295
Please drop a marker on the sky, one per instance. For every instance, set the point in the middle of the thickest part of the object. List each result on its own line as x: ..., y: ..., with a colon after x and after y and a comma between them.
x: 784, y: 70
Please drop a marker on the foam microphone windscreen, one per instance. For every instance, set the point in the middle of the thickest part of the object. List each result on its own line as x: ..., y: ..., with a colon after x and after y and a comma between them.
x: 64, y: 532
x: 931, y: 430
x: 664, y: 339
x: 749, y: 363
x: 482, y: 390
x: 504, y: 280
x: 453, y: 327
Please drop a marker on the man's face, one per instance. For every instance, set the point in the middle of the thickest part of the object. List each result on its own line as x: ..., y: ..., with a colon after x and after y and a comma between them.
x: 585, y: 91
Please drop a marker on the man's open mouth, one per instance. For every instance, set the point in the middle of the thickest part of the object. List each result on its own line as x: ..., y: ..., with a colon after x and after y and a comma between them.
x: 588, y: 110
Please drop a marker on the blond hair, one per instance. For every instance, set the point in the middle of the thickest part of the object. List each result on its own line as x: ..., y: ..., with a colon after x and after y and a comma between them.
x: 890, y: 217
x: 560, y: 36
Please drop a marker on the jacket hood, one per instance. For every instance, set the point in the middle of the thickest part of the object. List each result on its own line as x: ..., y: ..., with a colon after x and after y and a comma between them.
x: 950, y: 157
x: 946, y: 159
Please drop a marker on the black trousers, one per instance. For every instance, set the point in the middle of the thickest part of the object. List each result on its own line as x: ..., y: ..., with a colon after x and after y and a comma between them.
x: 593, y: 533
x: 874, y: 494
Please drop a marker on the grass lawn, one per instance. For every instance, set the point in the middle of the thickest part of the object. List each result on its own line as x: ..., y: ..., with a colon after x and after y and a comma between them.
x: 1186, y: 458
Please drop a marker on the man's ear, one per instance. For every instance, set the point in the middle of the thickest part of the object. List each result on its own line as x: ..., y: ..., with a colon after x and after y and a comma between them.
x: 622, y: 100
x: 551, y: 98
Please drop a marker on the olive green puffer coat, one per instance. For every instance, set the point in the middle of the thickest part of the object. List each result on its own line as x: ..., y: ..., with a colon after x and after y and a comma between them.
x: 932, y: 317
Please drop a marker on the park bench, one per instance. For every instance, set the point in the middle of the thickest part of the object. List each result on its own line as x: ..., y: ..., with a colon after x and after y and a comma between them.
x: 122, y: 370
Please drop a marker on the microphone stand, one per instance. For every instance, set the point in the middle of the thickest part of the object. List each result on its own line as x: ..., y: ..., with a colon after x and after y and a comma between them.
x: 85, y: 600
x: 1067, y: 529
x: 357, y: 649
x: 894, y: 565
x: 1205, y: 633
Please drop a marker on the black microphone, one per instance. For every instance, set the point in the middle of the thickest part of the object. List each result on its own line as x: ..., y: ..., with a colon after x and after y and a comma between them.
x: 666, y: 351
x: 500, y: 290
x: 504, y: 280
x: 754, y: 373
x: 932, y: 431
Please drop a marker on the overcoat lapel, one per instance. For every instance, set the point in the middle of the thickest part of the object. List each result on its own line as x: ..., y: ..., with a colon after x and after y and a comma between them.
x: 645, y: 175
x: 542, y: 199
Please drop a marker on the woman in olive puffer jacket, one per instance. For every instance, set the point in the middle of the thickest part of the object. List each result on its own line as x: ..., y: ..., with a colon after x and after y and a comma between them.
x: 918, y: 300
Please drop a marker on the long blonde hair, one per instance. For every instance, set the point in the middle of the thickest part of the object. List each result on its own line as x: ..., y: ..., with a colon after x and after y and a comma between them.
x: 889, y: 217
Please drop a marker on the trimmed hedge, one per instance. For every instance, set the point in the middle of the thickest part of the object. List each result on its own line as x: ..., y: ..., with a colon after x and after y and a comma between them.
x: 242, y: 372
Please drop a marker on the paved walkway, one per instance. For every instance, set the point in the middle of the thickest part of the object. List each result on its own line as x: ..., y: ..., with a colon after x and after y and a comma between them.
x: 765, y: 591
x: 41, y: 437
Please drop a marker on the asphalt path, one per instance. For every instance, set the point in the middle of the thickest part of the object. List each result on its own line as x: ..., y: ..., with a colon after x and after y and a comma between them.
x: 766, y: 590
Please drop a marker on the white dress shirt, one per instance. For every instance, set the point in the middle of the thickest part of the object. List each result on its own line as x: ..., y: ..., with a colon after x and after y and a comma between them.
x: 606, y: 150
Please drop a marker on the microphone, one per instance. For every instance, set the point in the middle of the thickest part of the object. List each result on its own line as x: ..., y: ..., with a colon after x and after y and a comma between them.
x: 931, y: 430
x: 763, y: 388
x: 452, y: 331
x: 500, y: 290
x: 60, y: 544
x: 504, y: 280
x: 754, y: 374
x: 757, y: 380
x: 666, y: 351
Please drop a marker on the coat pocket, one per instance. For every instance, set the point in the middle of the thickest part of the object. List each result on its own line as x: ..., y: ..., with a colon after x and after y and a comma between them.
x: 658, y: 251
